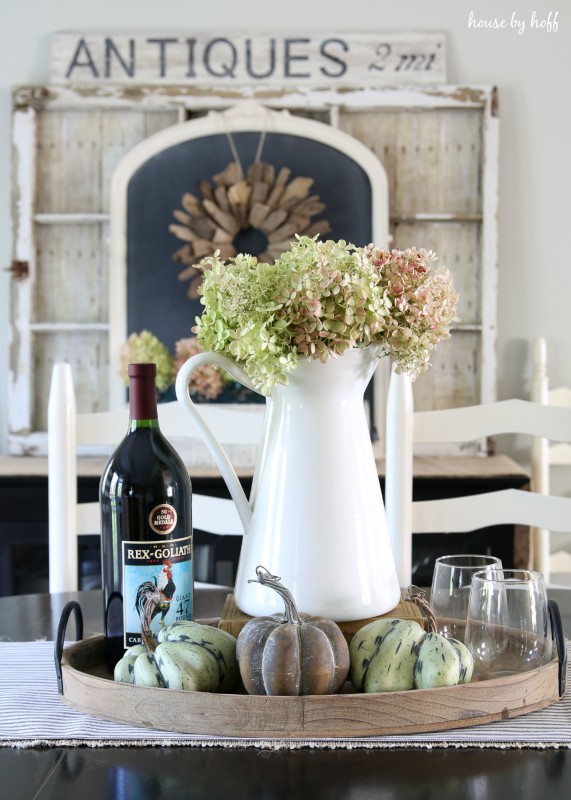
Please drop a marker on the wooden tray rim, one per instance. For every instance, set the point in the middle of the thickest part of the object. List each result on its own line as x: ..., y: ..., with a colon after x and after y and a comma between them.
x: 309, y: 717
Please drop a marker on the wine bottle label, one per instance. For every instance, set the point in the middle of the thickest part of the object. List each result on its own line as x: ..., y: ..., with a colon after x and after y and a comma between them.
x: 157, y: 585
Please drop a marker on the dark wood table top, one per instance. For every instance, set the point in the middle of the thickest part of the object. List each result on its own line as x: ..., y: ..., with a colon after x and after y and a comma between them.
x: 161, y: 773
x: 36, y: 616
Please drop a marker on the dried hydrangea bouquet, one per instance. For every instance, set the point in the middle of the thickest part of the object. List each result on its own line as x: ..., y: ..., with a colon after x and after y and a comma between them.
x: 321, y: 299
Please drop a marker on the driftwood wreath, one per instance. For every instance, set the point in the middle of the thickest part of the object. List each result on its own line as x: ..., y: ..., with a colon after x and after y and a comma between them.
x: 261, y: 201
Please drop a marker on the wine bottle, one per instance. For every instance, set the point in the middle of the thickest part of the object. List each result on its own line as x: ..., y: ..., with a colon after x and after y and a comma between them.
x: 146, y: 526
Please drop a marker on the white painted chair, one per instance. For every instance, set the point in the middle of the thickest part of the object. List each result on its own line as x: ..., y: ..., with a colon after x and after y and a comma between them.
x: 462, y: 514
x: 67, y: 431
x: 547, y: 457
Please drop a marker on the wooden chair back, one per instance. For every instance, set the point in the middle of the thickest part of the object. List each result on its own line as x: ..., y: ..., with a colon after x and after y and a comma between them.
x: 548, y: 456
x: 405, y: 428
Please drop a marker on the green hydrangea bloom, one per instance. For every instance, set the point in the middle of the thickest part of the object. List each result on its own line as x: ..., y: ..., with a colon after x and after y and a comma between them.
x: 145, y: 348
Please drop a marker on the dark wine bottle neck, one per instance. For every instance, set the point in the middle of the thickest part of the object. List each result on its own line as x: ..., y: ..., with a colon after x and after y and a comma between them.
x: 142, y: 397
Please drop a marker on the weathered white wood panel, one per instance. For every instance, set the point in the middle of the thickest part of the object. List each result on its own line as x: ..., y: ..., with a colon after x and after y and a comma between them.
x: 454, y: 378
x: 78, y: 151
x: 23, y: 176
x: 87, y: 354
x: 433, y: 158
x: 72, y: 282
x: 157, y: 120
x: 61, y: 311
x: 200, y: 98
x: 68, y: 174
x: 434, y: 162
x: 490, y: 235
x: 120, y: 132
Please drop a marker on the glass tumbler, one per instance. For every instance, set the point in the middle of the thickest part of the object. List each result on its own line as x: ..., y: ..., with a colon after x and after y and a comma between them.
x: 450, y: 590
x: 508, y: 627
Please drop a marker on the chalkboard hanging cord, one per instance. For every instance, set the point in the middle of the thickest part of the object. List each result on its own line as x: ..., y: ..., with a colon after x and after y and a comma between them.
x: 235, y: 155
x: 234, y: 150
x: 260, y: 146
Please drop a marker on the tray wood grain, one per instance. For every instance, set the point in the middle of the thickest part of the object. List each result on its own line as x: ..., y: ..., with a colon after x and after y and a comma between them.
x: 88, y: 687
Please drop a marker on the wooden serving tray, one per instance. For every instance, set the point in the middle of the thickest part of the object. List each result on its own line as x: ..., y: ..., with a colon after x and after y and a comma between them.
x: 87, y: 686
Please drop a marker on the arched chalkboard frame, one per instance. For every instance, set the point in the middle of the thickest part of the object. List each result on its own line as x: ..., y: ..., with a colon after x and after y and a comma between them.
x: 150, y: 180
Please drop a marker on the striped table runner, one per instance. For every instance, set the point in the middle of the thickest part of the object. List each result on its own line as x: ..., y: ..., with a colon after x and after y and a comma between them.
x: 32, y: 715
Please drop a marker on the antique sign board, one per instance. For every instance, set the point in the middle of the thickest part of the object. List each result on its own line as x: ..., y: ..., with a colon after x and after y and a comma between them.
x: 237, y: 59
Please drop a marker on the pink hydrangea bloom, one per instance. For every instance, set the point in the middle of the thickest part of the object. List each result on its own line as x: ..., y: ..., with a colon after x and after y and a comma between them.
x: 206, y: 381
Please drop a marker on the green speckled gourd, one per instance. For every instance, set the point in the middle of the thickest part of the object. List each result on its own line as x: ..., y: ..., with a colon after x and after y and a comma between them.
x: 291, y: 653
x: 391, y: 655
x: 188, y: 655
x: 206, y: 641
x: 383, y: 655
x: 125, y: 667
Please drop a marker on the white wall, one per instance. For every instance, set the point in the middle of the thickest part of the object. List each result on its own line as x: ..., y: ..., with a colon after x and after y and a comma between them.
x: 530, y: 71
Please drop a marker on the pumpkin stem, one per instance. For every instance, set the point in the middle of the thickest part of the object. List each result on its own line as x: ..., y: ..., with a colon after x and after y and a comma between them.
x: 418, y: 597
x: 265, y: 577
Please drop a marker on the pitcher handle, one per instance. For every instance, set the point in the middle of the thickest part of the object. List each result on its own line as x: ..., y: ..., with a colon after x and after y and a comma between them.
x: 216, y: 450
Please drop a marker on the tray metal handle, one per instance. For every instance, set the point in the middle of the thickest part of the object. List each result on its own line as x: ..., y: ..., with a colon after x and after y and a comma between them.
x: 69, y: 608
x: 559, y: 638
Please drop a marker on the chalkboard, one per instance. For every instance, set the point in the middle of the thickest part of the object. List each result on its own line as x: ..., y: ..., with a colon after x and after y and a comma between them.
x: 156, y: 299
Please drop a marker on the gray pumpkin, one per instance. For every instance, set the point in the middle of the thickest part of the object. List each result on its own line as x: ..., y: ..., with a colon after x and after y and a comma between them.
x: 291, y: 653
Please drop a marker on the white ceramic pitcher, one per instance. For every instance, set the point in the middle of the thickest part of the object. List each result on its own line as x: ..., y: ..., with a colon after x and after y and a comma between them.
x: 316, y: 516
